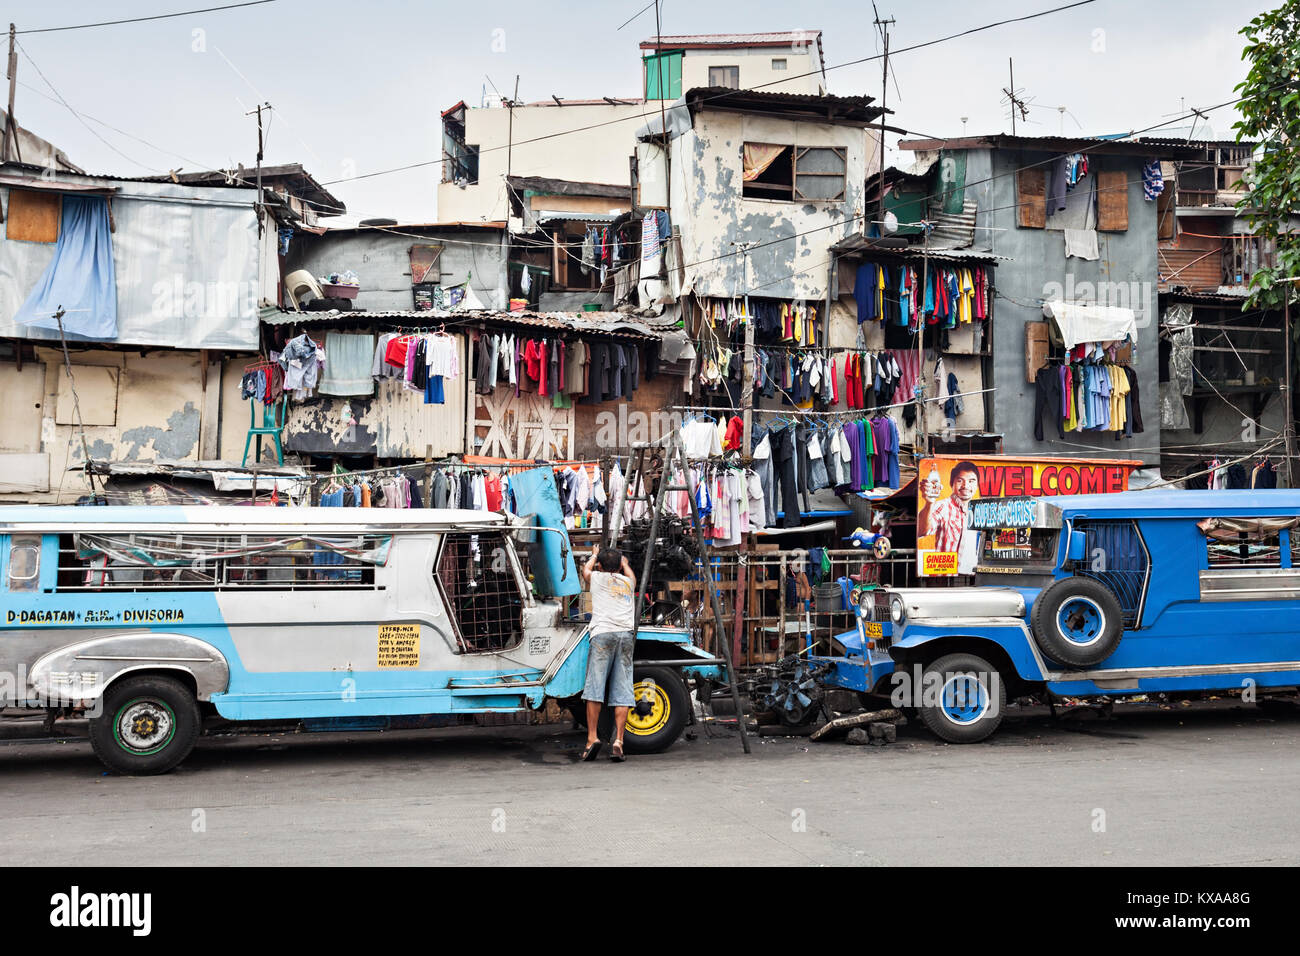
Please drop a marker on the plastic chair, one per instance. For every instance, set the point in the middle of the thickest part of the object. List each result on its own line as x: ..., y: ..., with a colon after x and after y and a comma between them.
x: 273, y: 415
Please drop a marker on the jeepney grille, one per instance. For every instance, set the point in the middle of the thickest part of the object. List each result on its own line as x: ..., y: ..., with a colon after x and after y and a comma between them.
x: 1117, y: 557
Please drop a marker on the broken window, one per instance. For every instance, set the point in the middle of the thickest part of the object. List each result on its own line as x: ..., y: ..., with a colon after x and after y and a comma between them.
x: 476, y: 576
x: 794, y: 173
x: 726, y: 76
x: 768, y: 171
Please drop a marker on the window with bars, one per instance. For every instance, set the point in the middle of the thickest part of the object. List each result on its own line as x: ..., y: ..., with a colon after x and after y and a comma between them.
x: 1116, y: 556
x: 476, y: 576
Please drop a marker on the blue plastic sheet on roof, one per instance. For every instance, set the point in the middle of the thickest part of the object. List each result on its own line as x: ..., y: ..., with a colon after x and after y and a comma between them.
x: 80, y: 277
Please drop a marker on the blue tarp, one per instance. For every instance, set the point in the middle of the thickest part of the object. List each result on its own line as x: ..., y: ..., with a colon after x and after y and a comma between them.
x: 80, y: 277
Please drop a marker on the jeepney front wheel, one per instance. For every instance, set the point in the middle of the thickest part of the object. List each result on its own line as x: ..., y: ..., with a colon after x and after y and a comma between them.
x: 659, y: 717
x: 147, y: 725
x: 962, y: 698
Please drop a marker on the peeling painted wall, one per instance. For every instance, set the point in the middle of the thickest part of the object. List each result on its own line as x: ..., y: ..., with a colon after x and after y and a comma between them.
x: 159, y: 402
x: 715, y: 219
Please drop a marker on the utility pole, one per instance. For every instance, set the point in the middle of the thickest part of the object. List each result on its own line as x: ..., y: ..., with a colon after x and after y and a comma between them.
x: 1288, y: 412
x: 11, y: 127
x: 510, y: 131
x: 663, y: 115
x: 1011, y: 69
x: 260, y: 205
x: 883, y: 26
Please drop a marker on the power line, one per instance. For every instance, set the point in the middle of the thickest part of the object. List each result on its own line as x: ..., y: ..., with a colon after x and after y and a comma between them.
x: 160, y: 16
x: 41, y: 74
x: 783, y: 80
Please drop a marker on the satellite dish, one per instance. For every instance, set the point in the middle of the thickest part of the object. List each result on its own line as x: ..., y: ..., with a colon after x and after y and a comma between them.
x: 891, y: 223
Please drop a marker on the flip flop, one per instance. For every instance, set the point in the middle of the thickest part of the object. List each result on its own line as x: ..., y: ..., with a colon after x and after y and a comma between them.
x: 616, y: 753
x: 592, y: 752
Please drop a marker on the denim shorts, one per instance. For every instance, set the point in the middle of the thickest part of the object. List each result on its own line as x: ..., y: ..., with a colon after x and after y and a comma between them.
x: 609, y: 668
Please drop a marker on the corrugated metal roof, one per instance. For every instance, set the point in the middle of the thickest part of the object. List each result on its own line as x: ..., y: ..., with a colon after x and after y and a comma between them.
x: 952, y: 230
x: 783, y: 38
x: 1058, y: 144
x: 604, y: 323
x: 559, y: 215
x: 858, y: 244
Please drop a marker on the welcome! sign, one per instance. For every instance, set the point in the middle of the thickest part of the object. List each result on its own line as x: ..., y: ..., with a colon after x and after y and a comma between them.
x: 946, y: 487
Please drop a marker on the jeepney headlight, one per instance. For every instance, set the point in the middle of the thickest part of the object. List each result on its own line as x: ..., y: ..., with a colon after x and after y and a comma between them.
x: 897, y: 612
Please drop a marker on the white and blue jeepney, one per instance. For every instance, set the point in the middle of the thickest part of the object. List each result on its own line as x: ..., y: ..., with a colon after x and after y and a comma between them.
x: 156, y: 620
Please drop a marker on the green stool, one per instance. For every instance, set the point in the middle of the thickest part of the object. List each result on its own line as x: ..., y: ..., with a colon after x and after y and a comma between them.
x: 273, y: 415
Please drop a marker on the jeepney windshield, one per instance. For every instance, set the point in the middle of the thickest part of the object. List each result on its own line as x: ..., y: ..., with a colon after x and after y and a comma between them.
x: 1003, y: 547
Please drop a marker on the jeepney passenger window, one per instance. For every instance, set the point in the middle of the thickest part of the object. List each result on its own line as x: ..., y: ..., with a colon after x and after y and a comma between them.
x: 478, y: 585
x: 24, y: 562
x: 1244, y: 549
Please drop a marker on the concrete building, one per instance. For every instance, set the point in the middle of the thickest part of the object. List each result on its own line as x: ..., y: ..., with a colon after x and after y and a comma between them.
x: 789, y: 61
x: 750, y: 169
x: 592, y: 140
x: 1115, y: 266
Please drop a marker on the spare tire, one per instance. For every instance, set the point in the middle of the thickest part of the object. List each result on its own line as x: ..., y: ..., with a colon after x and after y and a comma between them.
x: 1077, y: 621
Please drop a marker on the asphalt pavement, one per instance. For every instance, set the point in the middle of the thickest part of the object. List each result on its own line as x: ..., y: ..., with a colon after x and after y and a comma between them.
x: 1203, y: 785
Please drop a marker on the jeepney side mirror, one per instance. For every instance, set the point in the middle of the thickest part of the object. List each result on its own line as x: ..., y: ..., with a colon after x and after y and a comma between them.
x: 1078, y: 546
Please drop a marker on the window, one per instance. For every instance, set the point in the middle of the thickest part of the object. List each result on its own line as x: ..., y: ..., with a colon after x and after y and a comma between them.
x: 1228, y: 544
x: 202, y: 562
x: 794, y: 173
x: 476, y: 576
x: 663, y: 75
x: 24, y: 562
x: 1116, y: 556
x: 819, y: 174
x: 778, y: 63
x: 728, y: 76
x: 33, y: 216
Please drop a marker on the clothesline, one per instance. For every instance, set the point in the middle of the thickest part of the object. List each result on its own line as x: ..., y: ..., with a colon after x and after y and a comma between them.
x: 803, y: 411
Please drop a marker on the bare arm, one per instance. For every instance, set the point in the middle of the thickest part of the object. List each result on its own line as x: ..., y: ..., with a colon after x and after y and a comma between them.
x: 588, y: 568
x: 627, y: 570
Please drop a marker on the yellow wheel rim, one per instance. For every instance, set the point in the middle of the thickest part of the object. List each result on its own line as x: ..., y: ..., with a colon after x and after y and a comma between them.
x: 660, y: 708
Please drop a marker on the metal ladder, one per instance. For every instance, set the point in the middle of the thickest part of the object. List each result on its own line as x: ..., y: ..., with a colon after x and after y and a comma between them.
x: 641, y: 477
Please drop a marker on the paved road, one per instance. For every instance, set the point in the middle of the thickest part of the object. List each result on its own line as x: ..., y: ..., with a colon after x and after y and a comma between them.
x: 1189, y: 786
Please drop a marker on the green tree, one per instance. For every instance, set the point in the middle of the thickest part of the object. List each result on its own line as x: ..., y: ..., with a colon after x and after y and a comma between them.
x: 1270, y: 111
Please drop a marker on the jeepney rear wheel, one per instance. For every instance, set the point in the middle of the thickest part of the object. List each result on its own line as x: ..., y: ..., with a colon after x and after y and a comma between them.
x: 963, y: 698
x: 147, y: 726
x: 659, y: 717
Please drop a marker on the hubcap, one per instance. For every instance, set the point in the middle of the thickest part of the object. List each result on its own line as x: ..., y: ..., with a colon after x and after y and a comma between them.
x: 964, y: 699
x: 1080, y: 621
x: 144, y: 726
x: 651, y: 710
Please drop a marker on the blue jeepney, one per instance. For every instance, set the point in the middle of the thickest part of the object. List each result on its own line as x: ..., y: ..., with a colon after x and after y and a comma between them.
x: 1139, y: 592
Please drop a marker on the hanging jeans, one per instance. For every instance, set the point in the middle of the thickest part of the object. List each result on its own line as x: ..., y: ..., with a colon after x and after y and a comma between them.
x: 785, y: 464
x: 804, y: 464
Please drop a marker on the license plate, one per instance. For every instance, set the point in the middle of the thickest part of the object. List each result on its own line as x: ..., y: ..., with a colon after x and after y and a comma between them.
x: 874, y: 629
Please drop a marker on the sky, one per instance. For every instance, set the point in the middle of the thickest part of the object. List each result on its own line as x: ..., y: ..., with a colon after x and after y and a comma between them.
x: 358, y: 88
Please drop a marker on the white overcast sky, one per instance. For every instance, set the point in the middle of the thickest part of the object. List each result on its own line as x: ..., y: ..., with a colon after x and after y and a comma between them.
x: 357, y: 87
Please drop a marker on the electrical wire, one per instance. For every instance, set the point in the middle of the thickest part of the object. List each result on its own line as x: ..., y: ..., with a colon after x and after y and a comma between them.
x: 782, y: 80
x: 159, y: 16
